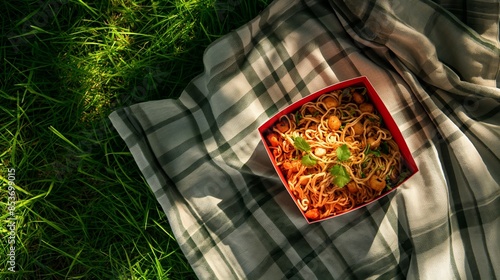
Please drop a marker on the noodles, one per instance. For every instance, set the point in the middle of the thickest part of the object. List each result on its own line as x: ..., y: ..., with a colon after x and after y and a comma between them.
x: 335, y: 153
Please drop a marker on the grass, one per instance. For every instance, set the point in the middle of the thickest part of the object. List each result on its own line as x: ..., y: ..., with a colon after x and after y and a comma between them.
x: 83, y: 209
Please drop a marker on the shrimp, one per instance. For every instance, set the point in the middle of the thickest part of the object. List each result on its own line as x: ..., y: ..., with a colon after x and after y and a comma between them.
x: 358, y: 128
x: 366, y: 108
x: 312, y: 214
x: 273, y: 139
x: 330, y: 102
x: 319, y: 152
x: 376, y: 183
x: 351, y: 186
x: 282, y: 126
x: 358, y: 98
x: 373, y: 142
x: 334, y: 123
x: 293, y: 165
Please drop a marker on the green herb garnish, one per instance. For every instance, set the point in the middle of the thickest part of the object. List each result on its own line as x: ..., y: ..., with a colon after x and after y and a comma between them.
x: 388, y: 182
x: 384, y: 147
x: 346, y: 92
x: 307, y: 160
x: 373, y: 152
x: 297, y: 117
x: 362, y: 88
x: 340, y: 175
x: 343, y: 153
x: 301, y: 144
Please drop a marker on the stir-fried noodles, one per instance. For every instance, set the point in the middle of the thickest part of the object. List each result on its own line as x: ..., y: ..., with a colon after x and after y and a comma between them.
x: 335, y: 153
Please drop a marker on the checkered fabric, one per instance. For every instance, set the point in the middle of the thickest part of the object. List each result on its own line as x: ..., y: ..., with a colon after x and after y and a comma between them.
x: 436, y: 68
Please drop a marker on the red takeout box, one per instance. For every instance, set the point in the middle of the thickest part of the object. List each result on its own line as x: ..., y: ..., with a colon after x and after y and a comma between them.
x: 380, y: 107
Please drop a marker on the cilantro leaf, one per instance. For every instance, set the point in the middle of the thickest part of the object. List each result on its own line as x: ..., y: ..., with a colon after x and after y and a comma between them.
x: 346, y: 91
x: 340, y: 175
x: 373, y: 152
x: 343, y: 153
x: 388, y: 182
x: 298, y: 116
x: 307, y: 160
x: 301, y: 144
x: 384, y: 147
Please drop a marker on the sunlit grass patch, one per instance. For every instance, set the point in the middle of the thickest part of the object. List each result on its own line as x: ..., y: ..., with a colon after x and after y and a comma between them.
x: 83, y: 209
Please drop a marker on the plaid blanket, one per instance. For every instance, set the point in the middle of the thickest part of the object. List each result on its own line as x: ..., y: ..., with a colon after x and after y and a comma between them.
x: 436, y: 68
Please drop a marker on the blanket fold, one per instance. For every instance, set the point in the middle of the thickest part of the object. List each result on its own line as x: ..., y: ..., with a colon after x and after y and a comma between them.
x: 438, y: 76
